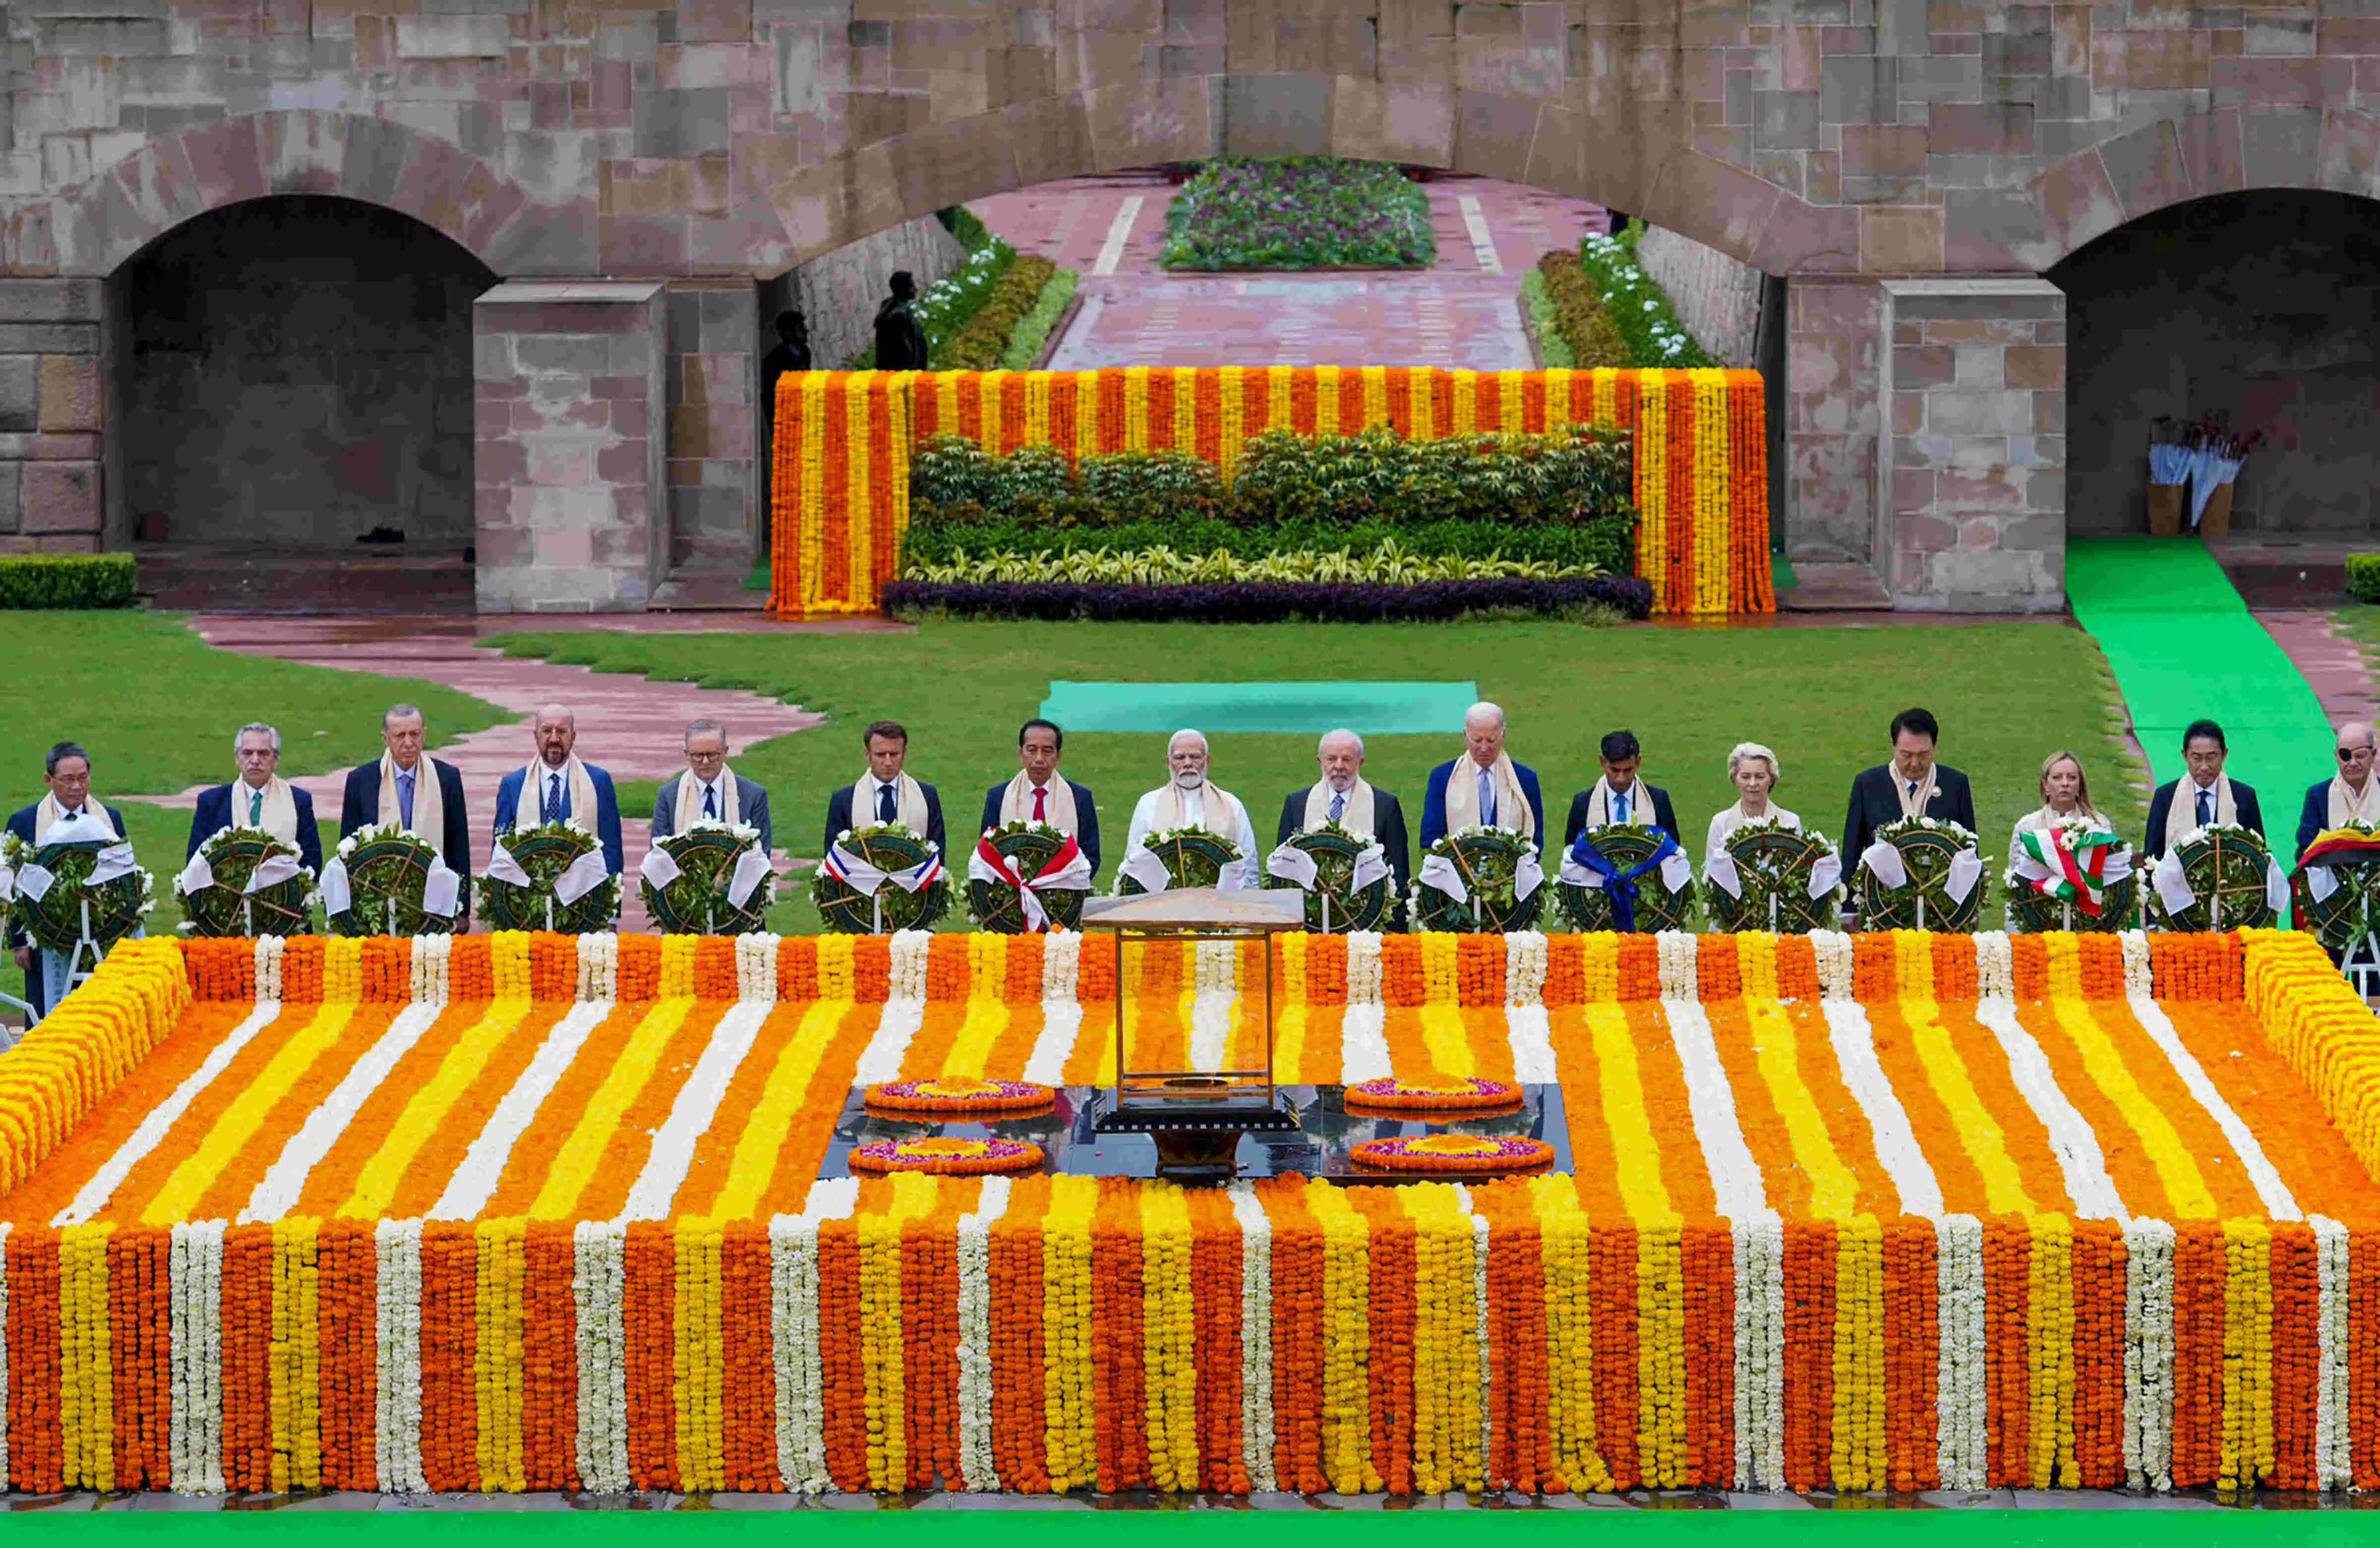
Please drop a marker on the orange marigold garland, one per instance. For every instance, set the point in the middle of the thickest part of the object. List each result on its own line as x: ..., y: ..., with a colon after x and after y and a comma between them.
x: 947, y: 1157
x: 1443, y: 1094
x: 959, y: 1093
x: 1454, y: 1153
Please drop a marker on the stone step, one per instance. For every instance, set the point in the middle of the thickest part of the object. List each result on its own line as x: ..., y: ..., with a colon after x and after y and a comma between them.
x: 1834, y: 589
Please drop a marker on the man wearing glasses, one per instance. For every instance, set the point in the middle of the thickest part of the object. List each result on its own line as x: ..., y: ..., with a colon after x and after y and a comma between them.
x: 2350, y: 796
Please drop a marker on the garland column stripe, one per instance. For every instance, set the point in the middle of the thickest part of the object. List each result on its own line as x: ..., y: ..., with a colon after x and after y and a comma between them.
x: 458, y: 1073
x: 482, y: 1166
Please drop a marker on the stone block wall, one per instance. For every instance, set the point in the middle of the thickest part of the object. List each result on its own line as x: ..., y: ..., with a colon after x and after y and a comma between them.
x: 1833, y: 416
x: 53, y: 412
x: 571, y: 401
x: 837, y: 295
x: 1972, y: 484
x: 713, y: 427
x: 1717, y: 298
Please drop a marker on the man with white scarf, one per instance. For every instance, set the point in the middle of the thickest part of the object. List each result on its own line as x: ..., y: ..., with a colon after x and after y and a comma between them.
x: 1484, y: 789
x: 1343, y: 796
x: 2202, y: 797
x: 886, y: 793
x: 67, y: 770
x: 1038, y: 794
x: 260, y: 799
x: 2350, y: 796
x: 393, y: 792
x: 567, y: 789
x: 708, y: 791
x: 1188, y: 800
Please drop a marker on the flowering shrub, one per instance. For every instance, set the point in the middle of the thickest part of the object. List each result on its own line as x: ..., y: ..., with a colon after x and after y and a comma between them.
x: 1263, y: 602
x: 1299, y: 213
x: 945, y: 308
x: 1387, y: 564
x: 980, y: 345
x: 1639, y: 309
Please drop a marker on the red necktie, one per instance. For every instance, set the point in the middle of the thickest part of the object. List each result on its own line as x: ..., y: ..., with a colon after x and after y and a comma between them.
x: 1041, y: 795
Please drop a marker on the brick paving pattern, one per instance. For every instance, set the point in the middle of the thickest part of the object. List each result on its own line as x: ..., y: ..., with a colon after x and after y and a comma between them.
x: 1462, y: 312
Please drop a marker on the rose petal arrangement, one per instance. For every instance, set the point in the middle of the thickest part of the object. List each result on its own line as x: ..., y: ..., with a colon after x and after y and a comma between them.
x: 1877, y: 1212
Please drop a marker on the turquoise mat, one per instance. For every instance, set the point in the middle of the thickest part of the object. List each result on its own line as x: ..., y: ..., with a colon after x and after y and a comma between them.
x: 2184, y: 645
x: 1371, y: 709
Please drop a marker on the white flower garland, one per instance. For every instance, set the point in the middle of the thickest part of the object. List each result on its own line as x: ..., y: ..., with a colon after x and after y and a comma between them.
x: 1364, y: 968
x: 1995, y: 965
x: 430, y: 961
x: 599, y: 1281
x: 2274, y: 1194
x: 1364, y: 1042
x: 2148, y: 1355
x: 1216, y: 981
x: 268, y: 968
x: 1833, y: 949
x: 1480, y: 1333
x: 1529, y: 1031
x: 902, y: 1014
x: 2333, y: 1464
x: 1062, y: 966
x: 794, y: 1295
x: 756, y: 968
x: 396, y: 1430
x: 1525, y: 967
x: 1255, y: 1337
x: 2076, y: 1144
x: 1853, y: 1038
x: 1736, y: 1184
x: 482, y: 1166
x: 1679, y: 979
x: 976, y: 1471
x: 1759, y: 1350
x: 599, y: 967
x: 1960, y: 1454
x: 2139, y: 976
x: 908, y: 949
x: 194, y: 1420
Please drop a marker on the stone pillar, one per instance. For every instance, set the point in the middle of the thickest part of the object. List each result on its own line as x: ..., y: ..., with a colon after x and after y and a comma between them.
x: 713, y: 427
x: 1832, y: 419
x: 569, y: 442
x: 52, y: 415
x: 1971, y: 485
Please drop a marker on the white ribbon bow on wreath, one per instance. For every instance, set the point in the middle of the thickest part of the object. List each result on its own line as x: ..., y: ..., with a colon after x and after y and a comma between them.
x: 1883, y: 860
x: 1441, y: 872
x: 582, y: 876
x: 1293, y: 865
x: 751, y: 870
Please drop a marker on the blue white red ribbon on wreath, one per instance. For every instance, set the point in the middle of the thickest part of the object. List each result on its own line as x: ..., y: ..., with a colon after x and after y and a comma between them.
x: 1589, y: 867
x: 865, y: 879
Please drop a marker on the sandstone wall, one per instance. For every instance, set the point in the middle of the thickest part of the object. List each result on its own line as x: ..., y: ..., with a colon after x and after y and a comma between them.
x: 1717, y: 298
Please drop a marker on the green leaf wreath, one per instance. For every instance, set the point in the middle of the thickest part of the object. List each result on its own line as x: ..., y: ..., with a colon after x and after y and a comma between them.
x: 1336, y: 848
x: 1772, y: 864
x: 696, y: 902
x: 387, y: 868
x: 1488, y: 860
x: 54, y: 920
x: 2033, y: 912
x: 1192, y: 858
x: 225, y: 909
x: 887, y: 846
x: 2224, y: 865
x: 1927, y: 847
x: 546, y: 851
x: 995, y: 905
x: 1588, y: 908
x: 2350, y: 914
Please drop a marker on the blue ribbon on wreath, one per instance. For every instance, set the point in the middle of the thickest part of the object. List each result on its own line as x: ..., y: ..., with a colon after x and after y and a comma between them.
x: 1618, y: 884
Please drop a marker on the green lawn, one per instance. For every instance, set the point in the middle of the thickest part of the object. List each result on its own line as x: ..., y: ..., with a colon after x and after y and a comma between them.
x: 2007, y: 694
x: 158, y: 708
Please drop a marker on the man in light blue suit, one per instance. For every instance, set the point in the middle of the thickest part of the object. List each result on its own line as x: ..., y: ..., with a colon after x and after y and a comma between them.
x: 565, y: 788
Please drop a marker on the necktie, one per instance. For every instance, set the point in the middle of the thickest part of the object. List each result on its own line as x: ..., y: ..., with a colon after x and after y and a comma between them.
x: 1487, y: 801
x: 404, y: 798
x: 256, y: 809
x: 1620, y: 808
x: 1338, y: 804
x: 885, y: 803
x: 1912, y: 789
x: 554, y: 798
x: 710, y: 801
x: 1040, y: 803
x: 2206, y: 808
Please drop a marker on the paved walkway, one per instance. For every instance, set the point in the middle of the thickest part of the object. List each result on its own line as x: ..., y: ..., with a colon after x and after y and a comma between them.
x: 1464, y: 312
x: 632, y: 727
x: 2333, y: 664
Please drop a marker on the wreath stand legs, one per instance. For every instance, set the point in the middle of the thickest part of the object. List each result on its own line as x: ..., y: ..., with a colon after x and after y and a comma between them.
x: 2360, y: 965
x: 76, y: 973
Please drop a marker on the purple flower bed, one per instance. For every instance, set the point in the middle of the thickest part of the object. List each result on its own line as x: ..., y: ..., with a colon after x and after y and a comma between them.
x: 1299, y: 213
x: 1270, y: 602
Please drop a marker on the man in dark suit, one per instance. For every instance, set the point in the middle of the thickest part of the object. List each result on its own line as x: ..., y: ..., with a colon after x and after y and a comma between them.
x: 563, y: 785
x: 1343, y: 794
x: 1484, y: 775
x: 2203, y: 796
x: 2346, y: 797
x: 885, y: 793
x: 1034, y: 795
x: 259, y: 799
x: 392, y: 791
x: 67, y: 770
x: 716, y: 792
x: 1619, y: 797
x: 1913, y: 785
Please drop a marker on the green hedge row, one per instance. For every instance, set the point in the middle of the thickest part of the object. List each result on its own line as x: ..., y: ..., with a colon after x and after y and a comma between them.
x: 2363, y: 577
x: 1585, y: 327
x: 59, y: 581
x: 984, y: 341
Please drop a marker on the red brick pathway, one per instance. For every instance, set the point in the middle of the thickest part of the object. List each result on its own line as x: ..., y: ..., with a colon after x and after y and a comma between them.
x: 2333, y: 665
x: 632, y: 727
x: 1462, y: 312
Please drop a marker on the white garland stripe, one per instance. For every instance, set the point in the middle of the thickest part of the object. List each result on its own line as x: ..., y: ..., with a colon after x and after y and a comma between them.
x: 1960, y: 1449
x: 1735, y: 1177
x: 691, y: 1114
x: 474, y: 1181
x: 2148, y: 1354
x: 160, y: 1119
x: 1531, y: 1036
x: 277, y: 1192
x: 1760, y: 1351
x: 2331, y: 1461
x: 976, y: 1471
x: 396, y: 1429
x: 1216, y: 965
x: 1364, y: 1043
x: 1255, y: 1337
x: 2271, y: 1192
x: 194, y: 1422
x: 1480, y: 1330
x: 1888, y: 1128
x: 794, y: 1295
x: 2070, y: 1135
x: 881, y: 1061
x: 1061, y: 1023
x: 599, y: 1283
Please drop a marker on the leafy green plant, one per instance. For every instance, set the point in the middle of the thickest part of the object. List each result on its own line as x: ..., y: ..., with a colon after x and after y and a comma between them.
x: 945, y: 308
x: 1580, y: 318
x: 1388, y: 564
x: 2363, y: 577
x: 1637, y: 307
x: 1299, y: 213
x: 67, y: 580
x: 1032, y: 334
x: 1537, y: 302
x: 979, y: 344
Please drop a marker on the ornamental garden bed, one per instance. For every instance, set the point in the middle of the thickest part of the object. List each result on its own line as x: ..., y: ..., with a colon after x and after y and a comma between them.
x: 999, y: 306
x: 1299, y: 213
x: 1599, y: 307
x: 1868, y: 1214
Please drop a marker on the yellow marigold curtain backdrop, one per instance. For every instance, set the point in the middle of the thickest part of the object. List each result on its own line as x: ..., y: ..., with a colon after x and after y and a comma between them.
x: 840, y: 487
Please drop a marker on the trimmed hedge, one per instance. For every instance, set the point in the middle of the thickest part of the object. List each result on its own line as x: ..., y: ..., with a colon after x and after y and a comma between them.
x: 1605, y: 546
x: 980, y: 345
x: 1580, y: 318
x: 1230, y: 603
x: 2363, y: 577
x: 1537, y: 302
x: 1032, y: 334
x: 64, y: 581
x: 1387, y: 564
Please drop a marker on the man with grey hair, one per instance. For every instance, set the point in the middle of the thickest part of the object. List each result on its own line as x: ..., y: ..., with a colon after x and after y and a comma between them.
x: 2350, y: 796
x: 393, y: 792
x: 556, y: 787
x: 1345, y: 797
x: 1188, y: 800
x: 708, y: 791
x: 260, y: 797
x: 1484, y: 789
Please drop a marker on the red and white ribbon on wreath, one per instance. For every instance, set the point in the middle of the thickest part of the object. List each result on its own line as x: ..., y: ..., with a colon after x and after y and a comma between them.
x: 1067, y: 871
